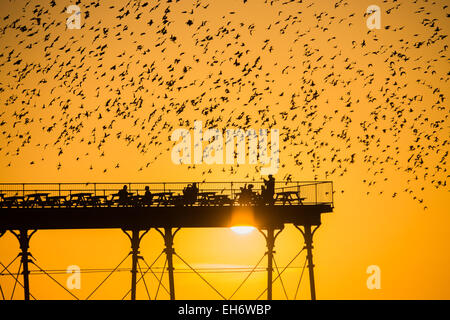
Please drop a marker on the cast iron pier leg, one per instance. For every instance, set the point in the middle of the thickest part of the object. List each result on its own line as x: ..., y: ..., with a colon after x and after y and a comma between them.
x: 308, y: 236
x: 24, y: 242
x: 170, y: 251
x: 309, y: 247
x: 135, y: 243
x: 270, y: 245
x: 168, y: 241
x: 270, y: 242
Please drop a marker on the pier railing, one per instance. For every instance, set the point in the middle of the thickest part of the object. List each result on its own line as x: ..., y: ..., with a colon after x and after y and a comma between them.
x: 286, y: 192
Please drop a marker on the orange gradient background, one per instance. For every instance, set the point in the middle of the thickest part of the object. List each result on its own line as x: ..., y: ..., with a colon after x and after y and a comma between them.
x: 369, y: 226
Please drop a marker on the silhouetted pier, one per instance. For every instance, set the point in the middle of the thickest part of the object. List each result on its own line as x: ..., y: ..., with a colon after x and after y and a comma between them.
x: 28, y: 207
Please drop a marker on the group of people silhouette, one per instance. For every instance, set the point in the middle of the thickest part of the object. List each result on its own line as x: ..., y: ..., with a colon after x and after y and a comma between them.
x: 126, y: 199
x: 191, y: 191
x: 190, y: 194
x: 248, y: 196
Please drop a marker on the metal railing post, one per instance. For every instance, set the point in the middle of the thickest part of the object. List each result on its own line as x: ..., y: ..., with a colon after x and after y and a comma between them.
x: 316, y: 192
x: 332, y: 195
x: 231, y: 191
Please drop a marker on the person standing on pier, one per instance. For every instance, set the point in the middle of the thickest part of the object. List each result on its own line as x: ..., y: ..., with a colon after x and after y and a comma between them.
x: 148, y: 196
x: 123, y: 196
x: 268, y: 190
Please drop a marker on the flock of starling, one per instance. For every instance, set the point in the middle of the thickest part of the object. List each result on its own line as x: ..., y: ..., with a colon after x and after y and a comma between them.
x: 340, y: 93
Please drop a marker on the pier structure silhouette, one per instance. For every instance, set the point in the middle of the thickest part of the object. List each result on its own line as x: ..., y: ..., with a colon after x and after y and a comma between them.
x: 26, y: 208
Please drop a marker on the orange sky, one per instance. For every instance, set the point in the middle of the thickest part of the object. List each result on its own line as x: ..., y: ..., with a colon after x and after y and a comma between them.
x: 319, y: 77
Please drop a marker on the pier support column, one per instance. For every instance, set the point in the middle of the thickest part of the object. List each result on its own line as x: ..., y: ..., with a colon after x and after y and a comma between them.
x: 169, y: 250
x: 24, y: 241
x: 270, y: 243
x: 135, y: 240
x: 308, y: 237
x: 168, y: 240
